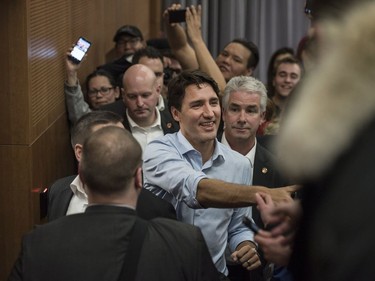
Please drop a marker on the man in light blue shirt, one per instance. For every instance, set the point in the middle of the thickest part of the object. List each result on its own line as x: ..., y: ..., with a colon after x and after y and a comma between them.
x: 193, y: 171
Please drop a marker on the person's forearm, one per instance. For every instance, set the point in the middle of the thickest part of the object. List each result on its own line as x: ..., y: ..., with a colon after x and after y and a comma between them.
x: 205, y: 60
x: 219, y: 194
x: 207, y: 63
x: 181, y: 49
x: 75, y: 102
x: 71, y: 78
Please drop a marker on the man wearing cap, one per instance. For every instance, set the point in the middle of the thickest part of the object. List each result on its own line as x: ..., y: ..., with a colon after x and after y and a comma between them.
x: 128, y: 40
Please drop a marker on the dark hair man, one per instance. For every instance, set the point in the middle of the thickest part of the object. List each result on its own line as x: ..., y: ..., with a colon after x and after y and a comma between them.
x: 193, y: 171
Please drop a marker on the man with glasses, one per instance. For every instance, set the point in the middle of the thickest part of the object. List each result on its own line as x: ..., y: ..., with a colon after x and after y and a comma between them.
x: 128, y: 39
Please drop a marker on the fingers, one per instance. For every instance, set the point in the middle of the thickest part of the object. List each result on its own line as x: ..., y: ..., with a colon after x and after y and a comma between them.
x: 250, y: 260
x: 166, y: 13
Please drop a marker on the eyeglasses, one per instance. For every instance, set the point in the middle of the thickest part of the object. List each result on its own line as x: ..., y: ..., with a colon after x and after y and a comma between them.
x: 102, y: 90
x: 131, y: 41
x: 158, y: 74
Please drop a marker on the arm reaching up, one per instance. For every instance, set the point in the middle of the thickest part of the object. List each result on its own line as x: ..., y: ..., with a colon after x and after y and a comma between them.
x: 178, y: 42
x: 205, y: 60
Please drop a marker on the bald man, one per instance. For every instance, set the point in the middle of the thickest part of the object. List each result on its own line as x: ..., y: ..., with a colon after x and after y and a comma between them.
x: 138, y: 107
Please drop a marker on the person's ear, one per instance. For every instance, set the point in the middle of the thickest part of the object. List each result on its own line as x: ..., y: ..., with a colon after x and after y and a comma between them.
x: 78, y: 151
x: 223, y: 114
x: 117, y: 92
x: 263, y: 118
x: 250, y: 71
x: 175, y: 114
x: 122, y: 93
x: 138, y: 179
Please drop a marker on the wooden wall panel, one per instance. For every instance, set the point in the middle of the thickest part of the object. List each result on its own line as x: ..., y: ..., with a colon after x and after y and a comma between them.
x: 15, y: 215
x: 13, y: 69
x: 34, y: 136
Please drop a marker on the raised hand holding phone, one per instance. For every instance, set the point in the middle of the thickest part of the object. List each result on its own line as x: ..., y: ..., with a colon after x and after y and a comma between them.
x: 79, y: 50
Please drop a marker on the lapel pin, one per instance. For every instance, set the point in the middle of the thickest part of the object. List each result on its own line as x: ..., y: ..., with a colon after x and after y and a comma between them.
x: 169, y: 125
x: 264, y: 170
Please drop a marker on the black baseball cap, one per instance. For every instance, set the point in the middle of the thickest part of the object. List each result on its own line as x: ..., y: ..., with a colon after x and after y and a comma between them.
x: 129, y: 30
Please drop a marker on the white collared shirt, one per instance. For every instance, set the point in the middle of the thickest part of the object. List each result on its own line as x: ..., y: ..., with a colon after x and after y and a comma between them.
x: 250, y: 155
x: 78, y: 203
x: 145, y: 135
x: 161, y: 104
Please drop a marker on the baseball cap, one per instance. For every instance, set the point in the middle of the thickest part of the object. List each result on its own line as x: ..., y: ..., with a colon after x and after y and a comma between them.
x: 130, y: 30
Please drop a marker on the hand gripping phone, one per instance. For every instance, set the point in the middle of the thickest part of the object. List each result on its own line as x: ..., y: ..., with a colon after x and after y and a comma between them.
x: 177, y: 16
x: 79, y: 50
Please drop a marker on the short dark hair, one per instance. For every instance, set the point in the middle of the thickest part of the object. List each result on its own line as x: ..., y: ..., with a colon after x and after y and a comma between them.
x: 149, y: 52
x: 100, y: 72
x: 178, y: 85
x: 110, y: 158
x: 290, y: 60
x: 253, y: 60
x: 271, y: 63
x: 83, y: 127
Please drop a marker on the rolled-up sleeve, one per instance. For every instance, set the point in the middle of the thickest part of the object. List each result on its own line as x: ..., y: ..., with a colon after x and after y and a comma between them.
x: 169, y: 175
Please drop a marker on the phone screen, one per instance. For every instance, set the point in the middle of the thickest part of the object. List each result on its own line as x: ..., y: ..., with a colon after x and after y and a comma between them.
x: 177, y: 16
x: 80, y: 49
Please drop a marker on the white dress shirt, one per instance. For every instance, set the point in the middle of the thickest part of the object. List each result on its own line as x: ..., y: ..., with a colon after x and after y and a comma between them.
x: 79, y: 202
x: 146, y: 134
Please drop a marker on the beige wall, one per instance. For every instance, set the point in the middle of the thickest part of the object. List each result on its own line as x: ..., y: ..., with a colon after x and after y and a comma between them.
x: 34, y: 135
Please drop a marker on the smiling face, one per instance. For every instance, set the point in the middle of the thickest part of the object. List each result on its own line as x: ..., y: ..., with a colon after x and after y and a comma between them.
x: 286, y: 78
x: 199, y: 116
x: 242, y: 117
x: 232, y: 61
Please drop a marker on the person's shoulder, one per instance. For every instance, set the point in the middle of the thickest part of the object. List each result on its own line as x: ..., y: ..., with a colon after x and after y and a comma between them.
x: 230, y: 153
x: 62, y: 183
x: 116, y: 107
x: 173, y: 229
x: 264, y: 152
x: 167, y: 139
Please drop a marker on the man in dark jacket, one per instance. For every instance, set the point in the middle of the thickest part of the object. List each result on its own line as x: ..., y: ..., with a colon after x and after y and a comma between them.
x: 67, y: 195
x: 98, y: 244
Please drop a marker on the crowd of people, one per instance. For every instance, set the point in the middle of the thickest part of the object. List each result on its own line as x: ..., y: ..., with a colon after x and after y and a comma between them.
x: 175, y: 148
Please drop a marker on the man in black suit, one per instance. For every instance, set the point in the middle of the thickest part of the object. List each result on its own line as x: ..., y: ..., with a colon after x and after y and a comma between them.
x: 244, y: 106
x: 140, y: 96
x: 67, y: 195
x: 108, y: 241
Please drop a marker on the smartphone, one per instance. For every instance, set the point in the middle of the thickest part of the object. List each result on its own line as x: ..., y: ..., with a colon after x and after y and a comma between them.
x: 177, y: 15
x: 249, y: 222
x: 79, y: 50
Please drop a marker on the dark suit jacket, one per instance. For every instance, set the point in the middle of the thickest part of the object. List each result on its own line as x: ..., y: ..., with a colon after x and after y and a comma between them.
x: 149, y: 206
x: 266, y: 174
x: 168, y: 124
x: 92, y: 246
